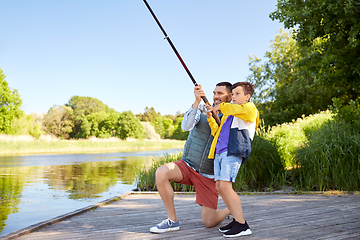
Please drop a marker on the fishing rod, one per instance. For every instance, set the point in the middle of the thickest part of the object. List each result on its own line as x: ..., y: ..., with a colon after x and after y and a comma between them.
x: 215, y: 116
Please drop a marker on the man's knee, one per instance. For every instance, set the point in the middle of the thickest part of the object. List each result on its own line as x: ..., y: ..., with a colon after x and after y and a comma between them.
x: 209, y: 222
x: 209, y: 217
x: 168, y: 172
x: 162, y: 173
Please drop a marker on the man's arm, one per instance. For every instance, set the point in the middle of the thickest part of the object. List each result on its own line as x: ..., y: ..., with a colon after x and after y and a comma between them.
x: 192, y: 116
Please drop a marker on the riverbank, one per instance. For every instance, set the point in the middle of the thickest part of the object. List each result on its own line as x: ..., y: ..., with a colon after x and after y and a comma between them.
x: 26, y: 145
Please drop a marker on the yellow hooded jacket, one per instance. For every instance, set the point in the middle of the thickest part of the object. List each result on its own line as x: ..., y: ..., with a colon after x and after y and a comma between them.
x: 242, y: 130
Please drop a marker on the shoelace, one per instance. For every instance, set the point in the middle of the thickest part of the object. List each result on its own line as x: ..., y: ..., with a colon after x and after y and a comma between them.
x: 166, y: 221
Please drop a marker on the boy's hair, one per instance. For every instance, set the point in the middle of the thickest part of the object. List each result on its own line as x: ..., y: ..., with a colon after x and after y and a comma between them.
x: 225, y: 84
x: 248, y: 87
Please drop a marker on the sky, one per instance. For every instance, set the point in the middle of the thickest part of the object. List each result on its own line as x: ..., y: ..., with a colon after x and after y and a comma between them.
x: 114, y: 51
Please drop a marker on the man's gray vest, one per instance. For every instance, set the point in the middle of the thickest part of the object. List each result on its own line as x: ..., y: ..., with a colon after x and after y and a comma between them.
x: 197, y: 147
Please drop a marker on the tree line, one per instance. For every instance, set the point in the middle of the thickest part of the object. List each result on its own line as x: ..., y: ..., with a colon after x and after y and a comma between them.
x: 84, y: 117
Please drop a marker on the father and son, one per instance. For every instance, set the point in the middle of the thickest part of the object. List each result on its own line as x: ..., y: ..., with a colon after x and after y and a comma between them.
x: 212, y: 157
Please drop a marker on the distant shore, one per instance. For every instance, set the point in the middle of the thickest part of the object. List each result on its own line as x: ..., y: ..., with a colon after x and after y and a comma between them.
x: 26, y: 145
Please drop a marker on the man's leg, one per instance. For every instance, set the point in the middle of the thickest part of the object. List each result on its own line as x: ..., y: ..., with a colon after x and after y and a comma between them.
x: 165, y: 174
x: 212, y: 217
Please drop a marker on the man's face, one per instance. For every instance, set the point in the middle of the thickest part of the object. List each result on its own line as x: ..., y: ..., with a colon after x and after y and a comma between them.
x: 221, y: 95
x: 238, y: 95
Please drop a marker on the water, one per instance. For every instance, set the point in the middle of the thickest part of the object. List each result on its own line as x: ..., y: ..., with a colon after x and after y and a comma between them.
x: 39, y: 187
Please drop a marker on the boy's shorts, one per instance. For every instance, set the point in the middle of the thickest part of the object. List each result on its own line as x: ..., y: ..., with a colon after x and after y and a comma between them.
x: 226, y: 167
x: 206, y: 193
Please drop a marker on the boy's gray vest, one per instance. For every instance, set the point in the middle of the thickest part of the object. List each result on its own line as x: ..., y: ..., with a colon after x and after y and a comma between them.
x: 197, y: 147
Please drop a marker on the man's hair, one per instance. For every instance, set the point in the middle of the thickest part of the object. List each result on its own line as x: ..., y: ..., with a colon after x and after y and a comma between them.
x: 225, y: 84
x: 248, y: 87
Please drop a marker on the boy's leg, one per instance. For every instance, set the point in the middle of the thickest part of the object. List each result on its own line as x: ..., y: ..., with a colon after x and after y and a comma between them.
x: 227, y: 168
x: 165, y: 174
x: 212, y: 217
x: 232, y: 200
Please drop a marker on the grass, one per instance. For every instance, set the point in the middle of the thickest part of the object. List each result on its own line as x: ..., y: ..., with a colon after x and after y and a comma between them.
x: 289, y: 137
x: 23, y: 145
x: 263, y: 169
x: 146, y: 177
x: 331, y: 159
x: 314, y: 153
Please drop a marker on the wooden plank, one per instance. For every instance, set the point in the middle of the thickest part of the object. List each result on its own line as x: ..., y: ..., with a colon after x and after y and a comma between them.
x: 272, y: 216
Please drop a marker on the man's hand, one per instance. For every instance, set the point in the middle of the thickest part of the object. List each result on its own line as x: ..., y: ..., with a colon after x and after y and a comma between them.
x: 198, y: 92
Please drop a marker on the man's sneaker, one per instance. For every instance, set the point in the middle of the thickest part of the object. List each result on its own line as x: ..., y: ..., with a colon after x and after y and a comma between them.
x: 238, y: 230
x: 227, y: 227
x: 165, y: 226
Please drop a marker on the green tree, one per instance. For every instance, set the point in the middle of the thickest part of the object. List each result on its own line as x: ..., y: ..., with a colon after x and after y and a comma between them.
x: 129, y: 126
x: 149, y: 115
x: 286, y: 89
x: 26, y: 125
x: 163, y: 126
x: 84, y: 127
x: 178, y: 133
x: 336, y: 25
x: 94, y: 120
x: 108, y: 126
x: 10, y: 104
x: 82, y: 107
x: 86, y: 105
x: 59, y: 121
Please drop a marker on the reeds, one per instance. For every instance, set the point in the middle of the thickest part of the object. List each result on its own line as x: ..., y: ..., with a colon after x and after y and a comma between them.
x: 263, y: 170
x: 331, y: 159
x: 146, y: 177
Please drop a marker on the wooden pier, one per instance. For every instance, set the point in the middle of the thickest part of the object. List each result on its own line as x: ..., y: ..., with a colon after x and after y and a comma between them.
x: 270, y: 216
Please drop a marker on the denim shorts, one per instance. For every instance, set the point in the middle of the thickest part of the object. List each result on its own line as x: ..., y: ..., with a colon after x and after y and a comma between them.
x: 226, y: 167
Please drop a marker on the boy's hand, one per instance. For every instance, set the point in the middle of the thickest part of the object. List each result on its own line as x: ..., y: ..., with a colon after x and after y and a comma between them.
x: 216, y: 108
x: 209, y: 109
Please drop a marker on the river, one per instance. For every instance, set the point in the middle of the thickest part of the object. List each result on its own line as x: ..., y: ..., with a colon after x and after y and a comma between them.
x: 39, y: 187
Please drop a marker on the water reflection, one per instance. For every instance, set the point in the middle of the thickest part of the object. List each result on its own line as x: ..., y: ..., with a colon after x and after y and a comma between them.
x: 37, y: 188
x: 11, y: 185
x: 89, y: 180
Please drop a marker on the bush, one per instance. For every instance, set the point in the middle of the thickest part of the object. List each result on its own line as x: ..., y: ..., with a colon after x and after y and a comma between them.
x: 262, y: 170
x: 289, y: 137
x: 331, y: 158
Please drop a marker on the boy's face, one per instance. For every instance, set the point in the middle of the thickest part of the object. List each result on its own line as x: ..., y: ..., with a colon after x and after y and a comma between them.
x: 238, y: 95
x: 221, y: 95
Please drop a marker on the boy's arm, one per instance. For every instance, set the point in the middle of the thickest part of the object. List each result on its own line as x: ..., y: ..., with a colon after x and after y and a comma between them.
x: 246, y: 111
x: 213, y: 125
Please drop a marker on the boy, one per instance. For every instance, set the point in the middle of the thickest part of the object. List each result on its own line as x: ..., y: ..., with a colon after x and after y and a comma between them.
x: 231, y: 147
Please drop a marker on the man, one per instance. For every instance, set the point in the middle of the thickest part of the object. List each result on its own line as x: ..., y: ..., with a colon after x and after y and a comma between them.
x: 194, y: 167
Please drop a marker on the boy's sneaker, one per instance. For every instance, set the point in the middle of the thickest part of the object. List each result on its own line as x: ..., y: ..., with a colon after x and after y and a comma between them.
x: 165, y: 226
x: 227, y: 227
x: 238, y: 230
